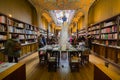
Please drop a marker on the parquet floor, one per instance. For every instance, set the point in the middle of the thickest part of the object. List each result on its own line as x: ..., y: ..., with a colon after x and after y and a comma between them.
x: 36, y: 71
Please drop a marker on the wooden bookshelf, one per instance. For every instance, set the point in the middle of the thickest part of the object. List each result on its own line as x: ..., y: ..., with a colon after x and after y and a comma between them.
x: 3, y: 30
x: 82, y: 32
x: 27, y: 34
x: 107, y: 39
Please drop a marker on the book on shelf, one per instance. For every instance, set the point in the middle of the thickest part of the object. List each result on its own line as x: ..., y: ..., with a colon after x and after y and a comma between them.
x: 30, y: 36
x: 106, y: 36
x: 101, y: 36
x: 1, y: 45
x: 15, y: 24
x: 21, y: 25
x: 114, y: 28
x: 10, y: 22
x: 2, y: 19
x: 115, y: 36
x: 110, y: 36
x: 108, y: 23
x: 28, y: 32
x: 29, y: 27
x: 2, y: 28
x: 32, y: 28
x: 97, y: 32
x: 26, y: 26
x: 96, y: 36
x: 11, y: 29
x: 3, y: 37
x: 106, y: 30
x: 16, y: 30
x: 21, y: 37
x: 98, y: 26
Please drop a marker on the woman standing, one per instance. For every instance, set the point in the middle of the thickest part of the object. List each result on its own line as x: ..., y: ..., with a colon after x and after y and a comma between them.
x: 12, y: 48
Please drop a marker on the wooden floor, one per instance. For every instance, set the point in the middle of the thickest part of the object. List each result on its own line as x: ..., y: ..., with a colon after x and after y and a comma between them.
x: 35, y: 71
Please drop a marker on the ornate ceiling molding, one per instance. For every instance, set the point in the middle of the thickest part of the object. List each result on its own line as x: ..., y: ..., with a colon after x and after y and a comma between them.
x: 43, y: 7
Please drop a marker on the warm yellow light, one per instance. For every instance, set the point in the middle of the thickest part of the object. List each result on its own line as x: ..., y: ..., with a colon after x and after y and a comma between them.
x: 10, y: 15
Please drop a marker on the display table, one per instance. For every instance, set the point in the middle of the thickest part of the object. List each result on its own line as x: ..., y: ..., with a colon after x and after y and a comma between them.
x: 74, y: 64
x: 49, y: 51
x: 12, y: 71
x: 52, y: 64
x: 103, y: 73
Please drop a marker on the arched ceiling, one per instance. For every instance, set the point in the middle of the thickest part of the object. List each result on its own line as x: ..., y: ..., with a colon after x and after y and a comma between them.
x: 44, y: 6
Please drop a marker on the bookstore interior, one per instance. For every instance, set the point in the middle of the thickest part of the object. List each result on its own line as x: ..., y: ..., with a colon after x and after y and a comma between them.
x: 60, y: 39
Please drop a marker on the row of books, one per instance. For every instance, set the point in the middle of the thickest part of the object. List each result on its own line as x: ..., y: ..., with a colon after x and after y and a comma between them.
x: 109, y: 30
x: 94, y: 32
x: 3, y: 28
x: 108, y: 23
x: 16, y: 24
x: 109, y: 36
x: 31, y: 37
x: 36, y: 29
x: 36, y: 32
x: 82, y: 34
x: 3, y: 37
x: 27, y: 26
x: 82, y: 31
x: 2, y: 19
x: 94, y: 27
x: 19, y: 30
x: 26, y: 36
x: 109, y: 43
x: 97, y: 36
x: 29, y: 32
x: 21, y: 37
x: 20, y: 25
x: 16, y: 30
x: 105, y: 24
